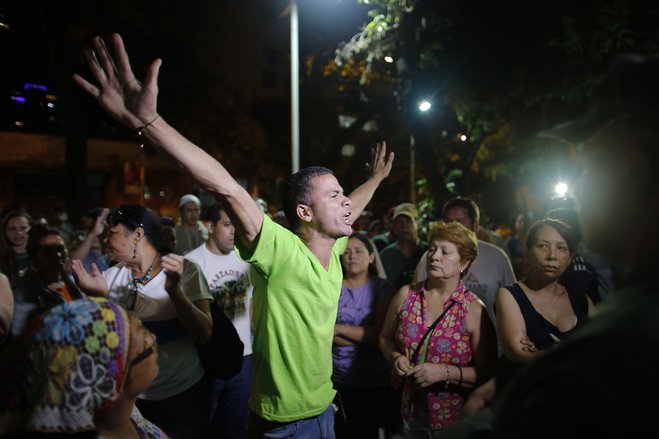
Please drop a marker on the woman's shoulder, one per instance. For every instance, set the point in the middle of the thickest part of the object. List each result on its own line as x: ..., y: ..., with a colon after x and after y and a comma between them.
x: 382, y: 286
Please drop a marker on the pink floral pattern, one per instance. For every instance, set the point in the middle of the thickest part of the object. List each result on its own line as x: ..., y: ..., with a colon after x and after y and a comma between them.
x: 449, y: 343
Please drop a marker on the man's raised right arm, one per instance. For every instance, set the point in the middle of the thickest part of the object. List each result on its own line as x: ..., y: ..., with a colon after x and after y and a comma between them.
x: 134, y: 104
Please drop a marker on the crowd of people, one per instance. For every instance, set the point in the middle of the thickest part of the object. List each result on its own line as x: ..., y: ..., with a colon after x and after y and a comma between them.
x: 353, y: 326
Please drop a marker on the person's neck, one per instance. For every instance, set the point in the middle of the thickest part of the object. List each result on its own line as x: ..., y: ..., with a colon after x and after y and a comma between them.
x: 442, y: 286
x: 190, y: 227
x: 50, y: 276
x: 541, y: 285
x: 148, y: 260
x: 408, y: 246
x: 116, y: 421
x: 319, y: 244
x: 211, y: 247
x: 19, y: 248
x: 356, y: 280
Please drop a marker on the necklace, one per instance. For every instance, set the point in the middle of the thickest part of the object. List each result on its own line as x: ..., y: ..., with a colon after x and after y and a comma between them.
x: 147, y: 276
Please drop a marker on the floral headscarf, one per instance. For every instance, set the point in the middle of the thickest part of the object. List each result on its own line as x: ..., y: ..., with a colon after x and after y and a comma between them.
x: 67, y: 364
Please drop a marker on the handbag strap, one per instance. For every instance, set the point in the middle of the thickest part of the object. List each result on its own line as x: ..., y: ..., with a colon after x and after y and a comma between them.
x: 431, y: 328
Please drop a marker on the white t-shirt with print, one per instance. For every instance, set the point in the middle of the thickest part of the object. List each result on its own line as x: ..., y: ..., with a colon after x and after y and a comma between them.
x: 230, y: 285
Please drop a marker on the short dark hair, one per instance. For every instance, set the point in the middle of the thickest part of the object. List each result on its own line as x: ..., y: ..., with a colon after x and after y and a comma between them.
x: 569, y: 217
x: 561, y: 227
x: 132, y: 216
x: 466, y: 203
x: 34, y: 237
x: 212, y: 214
x: 298, y: 189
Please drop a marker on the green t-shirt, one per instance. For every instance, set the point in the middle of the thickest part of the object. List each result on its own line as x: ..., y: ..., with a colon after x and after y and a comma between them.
x: 295, y: 304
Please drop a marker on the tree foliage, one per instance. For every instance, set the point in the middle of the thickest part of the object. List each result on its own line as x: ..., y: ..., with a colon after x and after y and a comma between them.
x: 499, y: 72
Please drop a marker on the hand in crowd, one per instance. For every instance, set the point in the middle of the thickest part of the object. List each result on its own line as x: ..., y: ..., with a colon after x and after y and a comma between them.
x: 118, y: 91
x: 92, y: 283
x: 173, y: 266
x: 402, y: 365
x: 427, y: 374
x: 480, y: 398
x: 99, y: 225
x: 380, y: 165
x: 528, y: 345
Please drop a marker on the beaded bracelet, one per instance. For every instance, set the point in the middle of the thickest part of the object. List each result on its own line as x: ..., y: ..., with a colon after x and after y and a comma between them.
x: 447, y: 377
x: 140, y: 130
x: 460, y: 382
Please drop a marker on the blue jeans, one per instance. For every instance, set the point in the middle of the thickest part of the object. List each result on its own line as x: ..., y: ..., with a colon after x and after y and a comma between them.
x: 318, y: 427
x: 228, y: 403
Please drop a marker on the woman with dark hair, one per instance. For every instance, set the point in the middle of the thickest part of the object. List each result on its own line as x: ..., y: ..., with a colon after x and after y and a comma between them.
x: 170, y: 296
x: 360, y: 372
x: 14, y: 260
x: 438, y: 335
x: 538, y: 311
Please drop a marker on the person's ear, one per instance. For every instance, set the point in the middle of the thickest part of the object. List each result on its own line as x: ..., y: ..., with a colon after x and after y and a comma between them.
x: 210, y: 226
x: 304, y: 212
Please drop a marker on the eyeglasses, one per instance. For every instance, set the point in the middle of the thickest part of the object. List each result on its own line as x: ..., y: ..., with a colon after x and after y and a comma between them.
x: 142, y: 356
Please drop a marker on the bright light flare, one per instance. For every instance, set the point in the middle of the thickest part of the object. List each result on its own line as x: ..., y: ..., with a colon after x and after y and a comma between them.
x: 560, y: 189
x: 424, y: 106
x: 389, y: 59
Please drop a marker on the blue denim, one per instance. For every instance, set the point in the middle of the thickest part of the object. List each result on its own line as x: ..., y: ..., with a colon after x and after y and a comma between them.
x: 228, y: 403
x: 318, y: 427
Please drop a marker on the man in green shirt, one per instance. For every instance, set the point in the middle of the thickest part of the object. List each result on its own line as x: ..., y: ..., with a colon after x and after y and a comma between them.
x: 298, y: 274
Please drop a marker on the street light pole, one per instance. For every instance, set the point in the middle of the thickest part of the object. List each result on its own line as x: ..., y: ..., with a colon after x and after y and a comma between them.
x: 295, y: 90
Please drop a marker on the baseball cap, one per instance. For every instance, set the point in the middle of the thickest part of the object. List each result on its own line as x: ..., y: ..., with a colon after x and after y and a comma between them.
x: 188, y: 198
x: 407, y: 209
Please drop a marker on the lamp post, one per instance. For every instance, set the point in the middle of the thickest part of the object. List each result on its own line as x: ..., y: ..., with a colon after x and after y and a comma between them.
x: 295, y: 90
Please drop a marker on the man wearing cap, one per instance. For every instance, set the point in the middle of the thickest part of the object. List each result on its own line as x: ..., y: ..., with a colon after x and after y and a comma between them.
x: 190, y: 233
x: 400, y: 258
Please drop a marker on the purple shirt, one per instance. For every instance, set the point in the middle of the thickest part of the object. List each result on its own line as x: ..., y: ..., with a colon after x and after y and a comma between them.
x: 361, y: 365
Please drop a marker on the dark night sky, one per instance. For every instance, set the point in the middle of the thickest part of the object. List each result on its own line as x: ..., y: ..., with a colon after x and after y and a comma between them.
x: 229, y: 32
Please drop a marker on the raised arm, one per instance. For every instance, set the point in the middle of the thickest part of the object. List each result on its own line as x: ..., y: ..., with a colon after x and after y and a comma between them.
x: 134, y: 104
x: 380, y: 169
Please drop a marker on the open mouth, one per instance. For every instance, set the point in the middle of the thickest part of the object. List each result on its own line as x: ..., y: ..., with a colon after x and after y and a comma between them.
x: 346, y: 218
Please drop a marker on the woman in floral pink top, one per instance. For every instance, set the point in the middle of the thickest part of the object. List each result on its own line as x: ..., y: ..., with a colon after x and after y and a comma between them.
x: 439, y: 366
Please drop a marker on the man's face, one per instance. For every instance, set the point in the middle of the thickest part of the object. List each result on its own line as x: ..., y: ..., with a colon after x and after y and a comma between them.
x: 331, y: 208
x: 190, y: 214
x: 405, y: 228
x: 51, y: 254
x: 222, y: 233
x: 460, y: 215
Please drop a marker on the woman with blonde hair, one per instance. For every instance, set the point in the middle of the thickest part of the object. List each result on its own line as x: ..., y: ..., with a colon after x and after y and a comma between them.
x: 438, y: 336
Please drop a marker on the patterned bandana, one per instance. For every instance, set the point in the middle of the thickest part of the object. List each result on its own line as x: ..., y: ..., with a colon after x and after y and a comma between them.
x: 68, y: 363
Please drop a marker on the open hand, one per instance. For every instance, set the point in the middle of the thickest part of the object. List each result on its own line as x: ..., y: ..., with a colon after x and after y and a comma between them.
x: 118, y: 92
x: 381, y: 164
x: 92, y: 283
x: 173, y: 266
